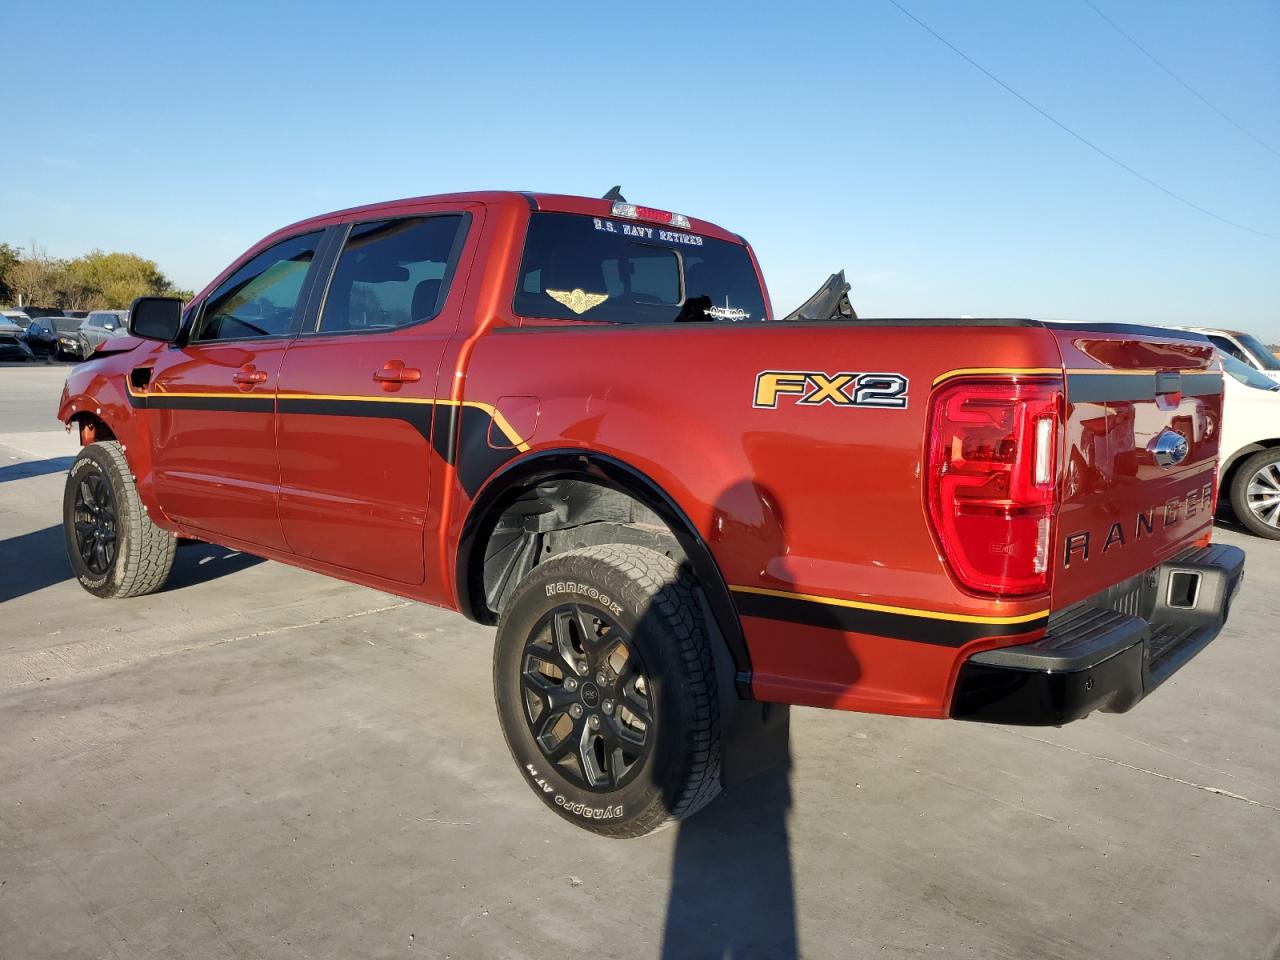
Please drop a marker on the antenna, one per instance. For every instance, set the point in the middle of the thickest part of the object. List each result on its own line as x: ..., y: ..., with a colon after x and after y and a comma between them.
x: 615, y: 194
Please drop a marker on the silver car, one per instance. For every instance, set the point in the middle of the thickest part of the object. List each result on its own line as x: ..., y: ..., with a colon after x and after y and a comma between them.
x: 103, y: 325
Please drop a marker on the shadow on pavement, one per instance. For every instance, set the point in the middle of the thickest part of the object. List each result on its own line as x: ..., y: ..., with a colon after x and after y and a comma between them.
x: 35, y: 468
x: 32, y: 562
x: 37, y: 560
x: 732, y: 895
x: 731, y: 888
x: 1227, y: 521
x: 201, y: 562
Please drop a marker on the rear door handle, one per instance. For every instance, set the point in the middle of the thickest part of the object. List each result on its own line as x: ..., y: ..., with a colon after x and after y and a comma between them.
x: 249, y: 376
x: 394, y: 371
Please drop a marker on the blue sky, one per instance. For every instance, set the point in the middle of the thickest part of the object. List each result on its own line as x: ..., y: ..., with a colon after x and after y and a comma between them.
x: 831, y: 135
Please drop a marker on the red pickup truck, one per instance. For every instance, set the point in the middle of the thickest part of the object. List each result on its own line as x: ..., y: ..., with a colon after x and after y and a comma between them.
x: 579, y: 420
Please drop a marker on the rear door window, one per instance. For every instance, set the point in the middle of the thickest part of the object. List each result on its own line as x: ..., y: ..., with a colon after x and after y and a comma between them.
x: 598, y: 268
x: 392, y: 273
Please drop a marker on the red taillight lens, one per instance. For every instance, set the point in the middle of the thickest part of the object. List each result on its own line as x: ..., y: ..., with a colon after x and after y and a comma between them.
x: 993, y: 480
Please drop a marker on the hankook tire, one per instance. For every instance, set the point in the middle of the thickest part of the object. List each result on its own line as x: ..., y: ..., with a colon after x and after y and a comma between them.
x: 606, y: 692
x: 114, y: 548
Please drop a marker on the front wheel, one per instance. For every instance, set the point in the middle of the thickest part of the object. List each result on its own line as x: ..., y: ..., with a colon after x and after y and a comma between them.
x: 1255, y: 493
x: 114, y: 548
x: 606, y: 691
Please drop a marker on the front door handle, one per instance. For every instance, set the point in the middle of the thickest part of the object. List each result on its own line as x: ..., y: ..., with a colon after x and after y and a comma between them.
x: 249, y: 375
x: 394, y: 371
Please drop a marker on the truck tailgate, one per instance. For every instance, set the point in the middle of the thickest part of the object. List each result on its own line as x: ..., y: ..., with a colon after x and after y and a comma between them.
x: 1143, y: 419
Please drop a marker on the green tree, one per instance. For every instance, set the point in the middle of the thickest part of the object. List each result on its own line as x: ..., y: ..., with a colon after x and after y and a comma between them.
x: 34, y: 279
x: 111, y: 280
x: 95, y: 281
x: 9, y: 258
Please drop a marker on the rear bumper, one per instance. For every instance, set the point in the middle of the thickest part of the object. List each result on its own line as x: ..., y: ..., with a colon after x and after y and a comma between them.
x: 1108, y: 652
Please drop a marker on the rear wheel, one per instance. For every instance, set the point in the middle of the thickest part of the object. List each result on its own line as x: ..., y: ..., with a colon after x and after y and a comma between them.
x: 1255, y: 493
x: 114, y: 548
x: 605, y: 689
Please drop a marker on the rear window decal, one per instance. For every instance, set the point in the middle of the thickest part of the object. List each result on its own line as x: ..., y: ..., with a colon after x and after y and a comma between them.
x: 647, y: 233
x: 727, y: 312
x: 577, y: 299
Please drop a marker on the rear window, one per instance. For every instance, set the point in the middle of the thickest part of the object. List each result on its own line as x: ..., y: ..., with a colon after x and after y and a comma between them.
x: 1262, y: 355
x: 598, y: 268
x: 1246, y: 374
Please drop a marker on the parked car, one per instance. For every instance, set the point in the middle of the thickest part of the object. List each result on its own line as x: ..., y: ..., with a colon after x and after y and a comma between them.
x: 1245, y: 347
x: 579, y: 420
x: 42, y: 338
x: 102, y: 325
x: 18, y: 317
x: 12, y: 344
x: 1249, y: 469
x: 55, y: 337
x: 72, y: 344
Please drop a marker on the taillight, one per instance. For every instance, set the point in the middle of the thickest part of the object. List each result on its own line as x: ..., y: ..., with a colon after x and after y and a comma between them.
x: 993, y: 480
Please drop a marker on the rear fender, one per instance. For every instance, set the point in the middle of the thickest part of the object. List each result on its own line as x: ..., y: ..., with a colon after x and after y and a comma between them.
x: 521, y: 475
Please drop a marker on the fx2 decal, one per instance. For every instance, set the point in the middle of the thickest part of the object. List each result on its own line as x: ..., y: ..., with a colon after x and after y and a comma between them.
x: 886, y: 391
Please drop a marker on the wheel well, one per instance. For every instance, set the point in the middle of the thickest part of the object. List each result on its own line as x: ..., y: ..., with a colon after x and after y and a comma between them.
x: 562, y: 500
x: 1239, y: 457
x: 92, y: 428
x: 557, y: 516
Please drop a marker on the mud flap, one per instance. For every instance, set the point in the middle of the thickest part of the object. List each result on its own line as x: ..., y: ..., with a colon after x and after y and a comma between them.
x: 755, y: 737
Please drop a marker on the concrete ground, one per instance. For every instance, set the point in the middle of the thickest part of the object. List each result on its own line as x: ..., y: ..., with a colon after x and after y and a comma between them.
x: 260, y: 762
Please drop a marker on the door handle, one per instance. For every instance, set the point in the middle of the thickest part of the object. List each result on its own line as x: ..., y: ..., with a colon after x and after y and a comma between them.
x: 394, y: 371
x: 249, y: 376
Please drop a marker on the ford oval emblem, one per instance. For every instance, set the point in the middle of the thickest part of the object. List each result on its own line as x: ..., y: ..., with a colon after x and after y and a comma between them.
x: 1169, y: 449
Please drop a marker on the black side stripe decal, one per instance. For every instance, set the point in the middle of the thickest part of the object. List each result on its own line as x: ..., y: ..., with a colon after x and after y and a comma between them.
x: 460, y: 435
x: 417, y: 415
x: 880, y: 623
x: 248, y: 404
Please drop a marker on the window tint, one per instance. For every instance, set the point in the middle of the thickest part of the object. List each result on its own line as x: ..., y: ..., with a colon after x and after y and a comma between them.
x: 391, y: 273
x: 1260, y: 353
x: 1229, y: 348
x: 259, y: 299
x: 595, y: 268
x: 1247, y: 374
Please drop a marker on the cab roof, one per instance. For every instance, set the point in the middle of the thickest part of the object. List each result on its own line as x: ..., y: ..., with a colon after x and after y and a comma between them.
x: 552, y: 202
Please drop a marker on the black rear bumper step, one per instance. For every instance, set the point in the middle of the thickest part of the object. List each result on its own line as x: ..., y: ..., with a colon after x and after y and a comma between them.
x: 1109, y: 651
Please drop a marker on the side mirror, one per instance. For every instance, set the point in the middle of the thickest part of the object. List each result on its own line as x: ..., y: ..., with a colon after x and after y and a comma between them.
x: 156, y: 318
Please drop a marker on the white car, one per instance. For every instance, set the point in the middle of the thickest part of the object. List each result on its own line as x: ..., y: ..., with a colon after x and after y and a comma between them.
x: 18, y: 317
x: 1245, y: 347
x: 1249, y: 468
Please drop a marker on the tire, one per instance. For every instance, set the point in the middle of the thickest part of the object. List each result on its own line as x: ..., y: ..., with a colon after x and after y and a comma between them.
x: 632, y: 618
x: 114, y: 548
x: 1259, y: 511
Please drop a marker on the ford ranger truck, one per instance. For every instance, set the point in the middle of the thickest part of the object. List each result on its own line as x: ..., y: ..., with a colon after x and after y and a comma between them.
x: 578, y: 419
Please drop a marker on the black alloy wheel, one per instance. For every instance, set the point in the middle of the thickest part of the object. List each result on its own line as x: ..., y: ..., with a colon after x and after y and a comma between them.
x: 587, y: 698
x: 95, y: 522
x: 605, y: 685
x: 114, y: 547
